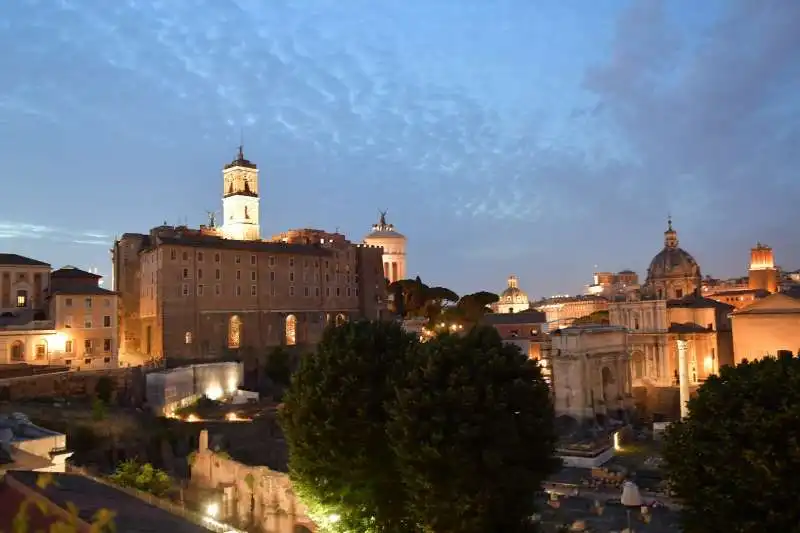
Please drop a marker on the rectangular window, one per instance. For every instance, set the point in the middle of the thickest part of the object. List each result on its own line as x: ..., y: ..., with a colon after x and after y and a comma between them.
x: 338, y: 291
x: 348, y: 291
x: 305, y: 292
x: 291, y: 291
x: 185, y: 289
x: 106, y: 345
x: 217, y: 289
x: 216, y: 258
x: 291, y: 261
x: 291, y: 276
x: 218, y: 274
x: 199, y: 273
x: 87, y: 322
x: 68, y: 347
x: 200, y: 256
x: 238, y: 274
x: 173, y: 255
x: 41, y: 351
x: 185, y: 256
x: 272, y: 276
x: 238, y: 259
x: 316, y: 291
x: 356, y: 289
x: 200, y: 289
x: 68, y: 322
x: 327, y: 291
x: 68, y: 302
x: 272, y: 291
x: 253, y: 275
x: 87, y: 346
x: 253, y: 290
x: 87, y: 303
x: 272, y: 260
x: 107, y: 321
x: 187, y: 337
x: 238, y: 290
x: 253, y: 259
x: 185, y: 273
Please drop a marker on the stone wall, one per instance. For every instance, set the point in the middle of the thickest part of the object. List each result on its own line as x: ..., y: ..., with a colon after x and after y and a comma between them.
x: 249, y: 494
x: 128, y: 390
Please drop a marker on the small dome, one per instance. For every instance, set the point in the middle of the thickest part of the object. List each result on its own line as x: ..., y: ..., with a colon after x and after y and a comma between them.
x: 513, y: 294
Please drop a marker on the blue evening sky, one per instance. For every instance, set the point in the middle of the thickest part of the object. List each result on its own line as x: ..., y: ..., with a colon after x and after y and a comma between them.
x: 533, y: 137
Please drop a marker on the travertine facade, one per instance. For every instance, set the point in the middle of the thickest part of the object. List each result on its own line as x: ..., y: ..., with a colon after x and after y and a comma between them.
x: 591, y: 371
x: 654, y: 328
x: 384, y: 235
x: 766, y: 326
x: 196, y: 293
x: 673, y: 272
x: 23, y: 283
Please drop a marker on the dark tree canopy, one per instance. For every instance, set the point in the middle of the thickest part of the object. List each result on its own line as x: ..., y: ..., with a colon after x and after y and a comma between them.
x: 735, y: 460
x: 473, y: 434
x: 279, y: 364
x: 334, y: 420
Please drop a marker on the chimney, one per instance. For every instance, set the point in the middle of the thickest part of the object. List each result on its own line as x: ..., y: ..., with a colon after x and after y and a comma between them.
x: 203, y: 444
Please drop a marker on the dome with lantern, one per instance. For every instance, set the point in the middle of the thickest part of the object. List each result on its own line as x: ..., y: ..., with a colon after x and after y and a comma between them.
x: 673, y: 272
x: 513, y: 299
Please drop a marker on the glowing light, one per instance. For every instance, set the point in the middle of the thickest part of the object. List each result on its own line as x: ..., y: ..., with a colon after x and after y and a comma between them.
x: 233, y: 384
x: 59, y: 342
x: 214, y: 392
x: 617, y: 446
x: 193, y: 418
x: 708, y: 364
x: 212, y: 509
x: 234, y: 417
x: 333, y: 518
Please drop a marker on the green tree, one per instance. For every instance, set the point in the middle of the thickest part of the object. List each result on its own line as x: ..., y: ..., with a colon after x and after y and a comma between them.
x: 99, y: 410
x: 734, y: 462
x: 472, y: 307
x: 104, y: 389
x: 143, y: 477
x: 473, y: 435
x: 279, y: 366
x: 334, y: 420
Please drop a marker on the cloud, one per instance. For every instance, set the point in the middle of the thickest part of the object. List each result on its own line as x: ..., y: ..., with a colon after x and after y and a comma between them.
x: 17, y: 230
x: 712, y: 120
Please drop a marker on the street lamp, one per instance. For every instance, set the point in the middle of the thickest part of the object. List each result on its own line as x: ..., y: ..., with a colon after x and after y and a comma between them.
x: 630, y: 498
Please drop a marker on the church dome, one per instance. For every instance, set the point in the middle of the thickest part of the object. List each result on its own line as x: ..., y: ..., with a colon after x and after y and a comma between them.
x: 513, y: 294
x: 672, y: 261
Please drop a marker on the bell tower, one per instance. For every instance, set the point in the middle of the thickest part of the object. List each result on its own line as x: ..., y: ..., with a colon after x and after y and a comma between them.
x: 240, y: 200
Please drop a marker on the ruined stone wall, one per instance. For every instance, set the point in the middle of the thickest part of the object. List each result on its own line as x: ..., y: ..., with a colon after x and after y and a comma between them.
x: 128, y: 385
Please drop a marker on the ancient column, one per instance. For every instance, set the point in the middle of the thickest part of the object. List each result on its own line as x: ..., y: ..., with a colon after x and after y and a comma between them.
x: 683, y: 377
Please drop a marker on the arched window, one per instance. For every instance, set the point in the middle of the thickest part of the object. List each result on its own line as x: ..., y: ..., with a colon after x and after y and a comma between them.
x: 340, y: 319
x: 234, y: 332
x: 18, y: 351
x: 291, y: 330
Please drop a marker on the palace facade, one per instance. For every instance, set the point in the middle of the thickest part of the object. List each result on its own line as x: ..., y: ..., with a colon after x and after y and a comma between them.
x: 198, y: 293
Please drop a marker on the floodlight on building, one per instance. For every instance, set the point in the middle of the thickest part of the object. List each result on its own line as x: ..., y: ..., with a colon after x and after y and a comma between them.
x: 214, y: 392
x: 212, y: 509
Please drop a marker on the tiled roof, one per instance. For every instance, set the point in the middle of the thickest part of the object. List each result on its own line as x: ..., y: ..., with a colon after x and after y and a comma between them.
x: 20, y: 260
x: 131, y: 515
x: 71, y: 272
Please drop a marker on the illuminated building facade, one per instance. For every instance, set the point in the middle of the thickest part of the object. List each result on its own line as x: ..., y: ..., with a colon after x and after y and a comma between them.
x: 200, y: 293
x: 55, y: 318
x: 393, y: 243
x: 610, y: 284
x: 562, y: 311
x: 590, y: 372
x: 767, y: 326
x: 762, y: 274
x: 673, y: 273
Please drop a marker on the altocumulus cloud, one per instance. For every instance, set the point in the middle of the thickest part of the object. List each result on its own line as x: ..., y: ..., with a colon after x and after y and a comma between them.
x: 711, y: 120
x: 17, y: 230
